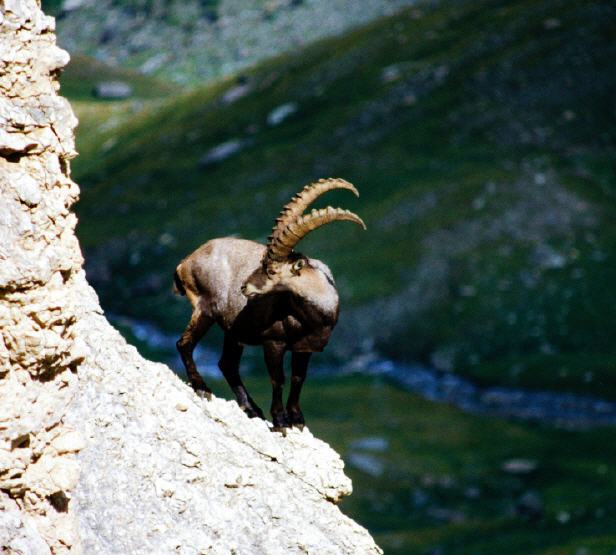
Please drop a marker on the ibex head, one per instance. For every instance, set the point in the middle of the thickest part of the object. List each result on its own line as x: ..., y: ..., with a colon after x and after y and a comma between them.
x: 282, y: 268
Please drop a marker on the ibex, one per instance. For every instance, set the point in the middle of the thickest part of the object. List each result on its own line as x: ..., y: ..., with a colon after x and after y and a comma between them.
x: 266, y: 295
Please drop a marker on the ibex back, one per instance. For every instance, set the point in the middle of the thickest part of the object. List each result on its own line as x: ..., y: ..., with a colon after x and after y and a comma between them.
x: 266, y: 295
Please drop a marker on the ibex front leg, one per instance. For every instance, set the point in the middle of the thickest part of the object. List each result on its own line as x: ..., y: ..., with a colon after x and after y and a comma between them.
x: 274, y: 360
x: 229, y: 365
x: 299, y: 369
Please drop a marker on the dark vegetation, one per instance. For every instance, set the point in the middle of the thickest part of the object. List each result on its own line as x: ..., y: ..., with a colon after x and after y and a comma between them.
x: 486, y: 177
x: 481, y: 136
x: 84, y: 73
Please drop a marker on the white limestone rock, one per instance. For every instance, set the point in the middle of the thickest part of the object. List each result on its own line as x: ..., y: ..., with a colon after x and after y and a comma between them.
x: 102, y: 451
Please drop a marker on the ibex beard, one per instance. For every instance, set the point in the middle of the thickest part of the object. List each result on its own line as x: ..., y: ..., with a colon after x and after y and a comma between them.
x: 265, y: 295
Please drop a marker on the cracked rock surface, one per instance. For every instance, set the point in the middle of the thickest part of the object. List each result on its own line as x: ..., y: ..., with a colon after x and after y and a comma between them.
x: 39, y: 259
x: 102, y: 451
x: 167, y: 472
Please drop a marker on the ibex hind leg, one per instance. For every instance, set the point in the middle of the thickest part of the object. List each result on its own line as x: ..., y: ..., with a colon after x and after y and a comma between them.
x: 299, y: 369
x: 274, y: 360
x: 229, y: 365
x: 196, y: 329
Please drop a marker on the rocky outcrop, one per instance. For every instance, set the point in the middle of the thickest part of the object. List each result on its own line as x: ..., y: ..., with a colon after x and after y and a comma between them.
x: 167, y: 472
x: 210, y: 38
x: 102, y: 451
x: 39, y: 259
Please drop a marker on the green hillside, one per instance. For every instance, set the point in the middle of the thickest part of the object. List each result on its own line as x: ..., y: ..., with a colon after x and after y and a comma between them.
x: 481, y: 137
x: 83, y: 73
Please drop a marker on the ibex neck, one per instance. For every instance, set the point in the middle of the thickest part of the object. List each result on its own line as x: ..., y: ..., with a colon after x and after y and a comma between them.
x: 323, y: 297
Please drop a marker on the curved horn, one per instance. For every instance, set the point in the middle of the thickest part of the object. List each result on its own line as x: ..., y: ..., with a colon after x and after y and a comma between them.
x: 295, y: 208
x: 283, y: 243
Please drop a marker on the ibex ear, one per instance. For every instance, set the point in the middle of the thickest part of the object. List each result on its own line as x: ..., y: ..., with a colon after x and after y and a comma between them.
x: 268, y: 267
x: 297, y: 266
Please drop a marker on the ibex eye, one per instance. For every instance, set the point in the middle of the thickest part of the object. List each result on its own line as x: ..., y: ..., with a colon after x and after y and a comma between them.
x: 298, y: 265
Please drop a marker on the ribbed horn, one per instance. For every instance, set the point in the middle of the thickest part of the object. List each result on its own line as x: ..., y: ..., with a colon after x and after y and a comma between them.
x: 298, y: 204
x: 281, y: 245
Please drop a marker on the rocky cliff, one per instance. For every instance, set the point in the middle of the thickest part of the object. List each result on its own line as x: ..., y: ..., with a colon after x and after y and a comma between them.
x: 210, y: 38
x: 102, y: 451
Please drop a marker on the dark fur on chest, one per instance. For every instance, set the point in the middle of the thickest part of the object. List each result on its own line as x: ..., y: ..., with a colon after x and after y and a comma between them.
x: 302, y: 328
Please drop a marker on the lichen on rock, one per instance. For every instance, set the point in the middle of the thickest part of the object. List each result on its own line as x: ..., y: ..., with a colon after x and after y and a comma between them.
x: 102, y: 451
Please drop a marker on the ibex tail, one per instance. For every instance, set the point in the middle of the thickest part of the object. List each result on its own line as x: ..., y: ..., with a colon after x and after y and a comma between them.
x: 178, y: 287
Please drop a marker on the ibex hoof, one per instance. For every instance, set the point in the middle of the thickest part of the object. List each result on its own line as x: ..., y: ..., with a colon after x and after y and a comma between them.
x: 296, y: 418
x: 279, y: 429
x: 203, y: 394
x: 281, y: 422
x: 252, y: 412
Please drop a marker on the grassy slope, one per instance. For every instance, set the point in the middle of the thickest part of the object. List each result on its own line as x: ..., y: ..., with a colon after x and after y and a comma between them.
x: 484, y: 162
x: 443, y: 486
x: 83, y: 72
x: 443, y: 489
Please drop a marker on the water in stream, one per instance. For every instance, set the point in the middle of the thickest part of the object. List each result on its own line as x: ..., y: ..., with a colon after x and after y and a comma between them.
x: 562, y: 409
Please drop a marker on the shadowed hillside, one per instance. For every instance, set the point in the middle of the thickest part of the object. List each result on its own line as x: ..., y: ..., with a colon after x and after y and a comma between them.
x: 485, y: 174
